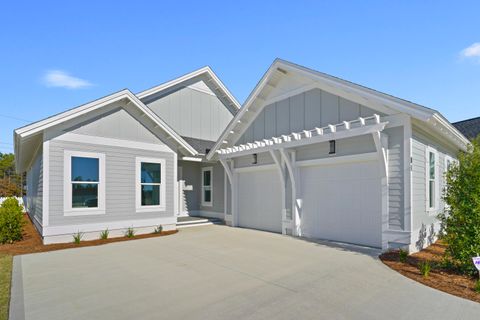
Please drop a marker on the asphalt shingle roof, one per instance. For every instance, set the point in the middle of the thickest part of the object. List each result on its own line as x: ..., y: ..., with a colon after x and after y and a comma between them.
x: 200, y: 145
x: 470, y: 127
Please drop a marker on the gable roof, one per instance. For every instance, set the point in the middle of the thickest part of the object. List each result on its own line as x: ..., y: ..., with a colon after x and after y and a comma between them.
x: 469, y: 127
x: 27, y: 132
x: 281, y: 69
x: 205, y: 73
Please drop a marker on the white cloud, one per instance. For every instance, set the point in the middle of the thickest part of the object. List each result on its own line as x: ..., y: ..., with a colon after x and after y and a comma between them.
x: 59, y: 78
x: 472, y: 51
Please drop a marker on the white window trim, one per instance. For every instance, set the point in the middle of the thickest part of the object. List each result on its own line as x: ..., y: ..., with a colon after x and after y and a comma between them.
x: 67, y: 188
x: 210, y: 203
x: 436, y: 201
x: 446, y: 160
x: 138, y: 185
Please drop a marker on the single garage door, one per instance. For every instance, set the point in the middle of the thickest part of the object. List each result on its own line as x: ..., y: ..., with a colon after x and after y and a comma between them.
x: 342, y: 203
x: 259, y: 200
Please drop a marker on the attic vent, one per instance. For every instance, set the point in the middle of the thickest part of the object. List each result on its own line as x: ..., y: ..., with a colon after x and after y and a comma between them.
x: 282, y: 70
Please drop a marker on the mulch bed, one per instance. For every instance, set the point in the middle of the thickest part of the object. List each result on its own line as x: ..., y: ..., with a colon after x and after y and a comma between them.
x: 32, y: 242
x: 441, y: 279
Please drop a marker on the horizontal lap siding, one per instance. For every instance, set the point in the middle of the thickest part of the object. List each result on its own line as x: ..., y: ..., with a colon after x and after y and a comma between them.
x: 396, y: 195
x: 120, y: 183
x: 420, y: 141
x: 34, y: 203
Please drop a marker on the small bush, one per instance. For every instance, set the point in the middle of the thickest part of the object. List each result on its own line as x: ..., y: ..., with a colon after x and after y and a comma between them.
x: 104, y: 234
x: 77, y: 237
x: 425, y: 268
x: 130, y: 233
x: 402, y: 255
x: 11, y: 221
x: 477, y: 286
x: 158, y: 229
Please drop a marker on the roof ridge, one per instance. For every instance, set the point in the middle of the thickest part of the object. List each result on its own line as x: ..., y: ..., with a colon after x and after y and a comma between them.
x: 461, y: 121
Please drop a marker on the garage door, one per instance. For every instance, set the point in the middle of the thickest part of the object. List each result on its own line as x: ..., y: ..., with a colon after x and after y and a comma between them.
x: 259, y: 200
x: 342, y: 203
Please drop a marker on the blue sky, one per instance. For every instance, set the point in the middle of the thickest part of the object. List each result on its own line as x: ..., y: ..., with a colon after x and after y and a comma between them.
x: 56, y: 55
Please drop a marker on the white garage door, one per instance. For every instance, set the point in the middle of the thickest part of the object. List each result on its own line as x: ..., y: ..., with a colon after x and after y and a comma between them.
x: 259, y: 200
x: 342, y: 203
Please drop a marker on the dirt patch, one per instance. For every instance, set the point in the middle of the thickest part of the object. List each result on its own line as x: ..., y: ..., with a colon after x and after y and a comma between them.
x: 440, y: 278
x: 32, y: 242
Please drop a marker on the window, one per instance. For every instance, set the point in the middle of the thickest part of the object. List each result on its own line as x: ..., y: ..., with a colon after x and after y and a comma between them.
x: 332, y: 147
x: 150, y: 187
x: 207, y: 185
x: 85, y: 186
x: 449, y: 161
x: 432, y: 179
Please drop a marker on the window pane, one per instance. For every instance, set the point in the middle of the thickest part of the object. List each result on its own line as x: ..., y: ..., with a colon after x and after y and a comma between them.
x: 207, y: 195
x: 150, y: 195
x: 431, y: 194
x: 432, y: 165
x: 84, y: 169
x: 84, y: 195
x: 150, y: 172
x: 206, y: 178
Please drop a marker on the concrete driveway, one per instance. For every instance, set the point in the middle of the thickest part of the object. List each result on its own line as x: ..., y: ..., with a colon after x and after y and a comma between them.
x: 217, y: 272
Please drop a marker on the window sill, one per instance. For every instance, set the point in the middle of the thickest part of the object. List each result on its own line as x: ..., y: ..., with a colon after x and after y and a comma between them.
x: 207, y: 204
x: 150, y: 209
x: 83, y: 212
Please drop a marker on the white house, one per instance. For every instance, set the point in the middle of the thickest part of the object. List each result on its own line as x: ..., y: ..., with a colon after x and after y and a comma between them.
x: 307, y: 155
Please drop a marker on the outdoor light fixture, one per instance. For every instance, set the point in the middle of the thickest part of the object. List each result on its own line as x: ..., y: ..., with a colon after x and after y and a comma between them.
x: 332, y: 147
x: 254, y: 158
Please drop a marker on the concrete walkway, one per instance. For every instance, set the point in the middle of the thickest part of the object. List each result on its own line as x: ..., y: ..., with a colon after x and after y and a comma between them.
x: 217, y: 272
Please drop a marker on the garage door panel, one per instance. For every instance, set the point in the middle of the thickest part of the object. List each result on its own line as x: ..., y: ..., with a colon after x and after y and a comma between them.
x: 342, y: 203
x: 259, y: 197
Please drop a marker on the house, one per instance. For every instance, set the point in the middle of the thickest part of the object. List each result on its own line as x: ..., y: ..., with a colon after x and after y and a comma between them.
x: 121, y: 161
x: 308, y: 155
x: 316, y: 156
x: 470, y: 127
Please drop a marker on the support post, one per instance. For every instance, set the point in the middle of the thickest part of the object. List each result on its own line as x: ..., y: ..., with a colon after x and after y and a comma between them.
x: 281, y: 172
x: 296, y: 200
x: 381, y: 144
x: 232, y: 181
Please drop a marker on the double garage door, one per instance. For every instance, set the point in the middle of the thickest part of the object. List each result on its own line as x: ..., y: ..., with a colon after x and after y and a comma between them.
x: 340, y: 202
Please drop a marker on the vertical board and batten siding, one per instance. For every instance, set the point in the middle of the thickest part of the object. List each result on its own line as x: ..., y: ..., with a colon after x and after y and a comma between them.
x: 34, y: 199
x: 193, y: 113
x: 119, y: 184
x: 218, y: 199
x: 191, y: 173
x: 305, y: 111
x: 423, y: 220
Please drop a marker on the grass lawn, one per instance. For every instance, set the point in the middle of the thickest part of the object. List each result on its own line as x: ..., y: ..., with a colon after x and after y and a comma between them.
x: 5, y: 277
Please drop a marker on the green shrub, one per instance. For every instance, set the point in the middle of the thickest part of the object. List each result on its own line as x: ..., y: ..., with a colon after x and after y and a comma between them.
x: 461, y: 222
x: 77, y: 237
x: 11, y: 221
x: 402, y: 255
x: 477, y: 286
x: 130, y: 233
x: 424, y: 268
x: 158, y: 229
x: 104, y: 234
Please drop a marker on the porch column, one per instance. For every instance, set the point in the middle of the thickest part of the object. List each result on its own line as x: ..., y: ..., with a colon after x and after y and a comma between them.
x: 232, y: 182
x: 294, y: 174
x: 286, y: 223
x: 381, y: 144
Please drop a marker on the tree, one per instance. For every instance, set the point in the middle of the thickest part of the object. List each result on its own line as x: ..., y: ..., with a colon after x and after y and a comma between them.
x: 461, y: 221
x: 10, y: 181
